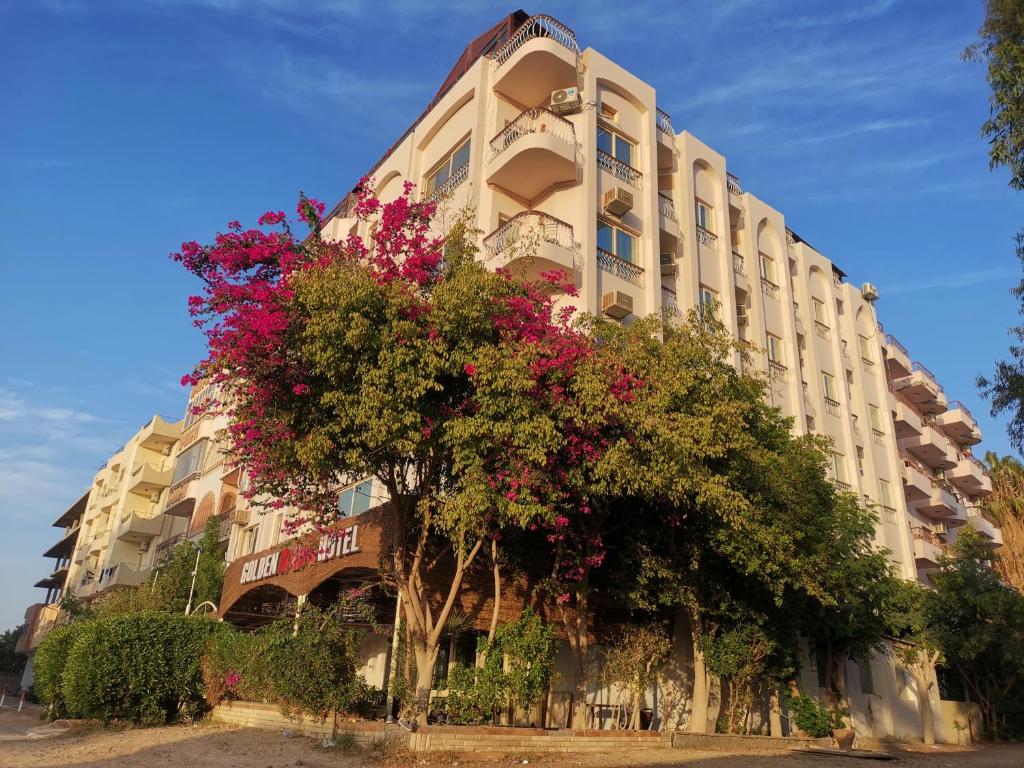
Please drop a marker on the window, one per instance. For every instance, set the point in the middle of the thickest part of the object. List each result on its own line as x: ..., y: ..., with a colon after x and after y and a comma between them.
x: 839, y: 468
x: 616, y: 241
x: 708, y: 300
x: 705, y: 215
x: 775, y: 349
x: 865, y: 349
x: 818, y: 308
x: 875, y: 415
x: 608, y: 112
x: 247, y: 545
x: 448, y: 168
x: 611, y: 143
x: 355, y: 499
x: 278, y: 525
x: 190, y: 462
x: 767, y: 268
x: 885, y: 494
x: 828, y: 386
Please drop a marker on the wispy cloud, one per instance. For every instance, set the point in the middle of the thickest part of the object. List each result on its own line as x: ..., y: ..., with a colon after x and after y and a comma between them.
x: 872, y: 126
x: 958, y: 280
x: 846, y: 15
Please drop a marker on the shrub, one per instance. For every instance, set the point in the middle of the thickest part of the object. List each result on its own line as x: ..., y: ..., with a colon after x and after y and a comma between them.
x: 812, y: 717
x: 142, y: 667
x: 631, y: 661
x: 235, y: 667
x: 48, y: 667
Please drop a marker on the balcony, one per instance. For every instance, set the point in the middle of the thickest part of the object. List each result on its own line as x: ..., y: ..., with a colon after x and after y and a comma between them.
x: 447, y: 188
x: 907, y: 420
x: 769, y: 289
x: 669, y: 302
x: 543, y: 242
x: 133, y: 527
x: 625, y: 270
x: 897, y: 358
x: 667, y: 219
x: 922, y: 389
x: 539, y: 58
x: 928, y: 548
x: 666, y: 139
x: 147, y: 479
x: 735, y: 204
x: 163, y: 549
x: 917, y: 481
x: 959, y: 424
x: 970, y: 477
x: 620, y: 170
x: 740, y: 270
x: 159, y: 434
x: 931, y: 446
x: 733, y: 182
x: 121, y: 575
x: 989, y: 532
x: 706, y: 237
x: 941, y: 504
x: 533, y: 153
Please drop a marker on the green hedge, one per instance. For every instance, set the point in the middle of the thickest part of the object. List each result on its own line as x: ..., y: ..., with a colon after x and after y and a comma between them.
x: 48, y: 667
x: 143, y: 667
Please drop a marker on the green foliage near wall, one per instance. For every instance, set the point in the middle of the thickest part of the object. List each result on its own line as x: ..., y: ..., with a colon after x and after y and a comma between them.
x: 143, y: 668
x: 813, y: 717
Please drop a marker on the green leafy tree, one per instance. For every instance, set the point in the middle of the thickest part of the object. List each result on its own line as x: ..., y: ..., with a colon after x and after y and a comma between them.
x: 210, y: 568
x: 11, y: 663
x: 1000, y: 46
x: 911, y: 615
x: 631, y: 663
x: 1005, y: 507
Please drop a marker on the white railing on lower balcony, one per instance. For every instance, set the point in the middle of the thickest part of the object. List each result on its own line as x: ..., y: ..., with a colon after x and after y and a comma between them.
x: 706, y: 237
x: 537, y: 120
x: 525, y: 225
x: 627, y: 270
x: 445, y: 189
x: 620, y: 170
x: 666, y: 207
x: 534, y: 27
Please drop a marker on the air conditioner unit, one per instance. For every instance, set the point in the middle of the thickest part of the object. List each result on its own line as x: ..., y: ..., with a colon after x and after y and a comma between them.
x: 938, y: 528
x: 565, y: 100
x: 741, y: 315
x: 144, y: 547
x: 617, y: 201
x: 869, y: 291
x: 154, y: 497
x: 668, y: 264
x: 617, y: 304
x: 167, y: 450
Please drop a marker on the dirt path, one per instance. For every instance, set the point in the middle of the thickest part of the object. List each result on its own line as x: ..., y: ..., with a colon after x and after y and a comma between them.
x: 221, y: 746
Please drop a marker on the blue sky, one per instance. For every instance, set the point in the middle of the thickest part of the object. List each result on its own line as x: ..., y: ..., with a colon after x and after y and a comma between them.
x: 131, y: 126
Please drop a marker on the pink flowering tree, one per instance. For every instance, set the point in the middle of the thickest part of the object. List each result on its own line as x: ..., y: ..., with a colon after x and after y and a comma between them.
x: 397, y: 357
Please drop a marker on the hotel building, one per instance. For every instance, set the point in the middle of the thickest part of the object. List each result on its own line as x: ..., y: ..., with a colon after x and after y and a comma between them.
x: 541, y: 139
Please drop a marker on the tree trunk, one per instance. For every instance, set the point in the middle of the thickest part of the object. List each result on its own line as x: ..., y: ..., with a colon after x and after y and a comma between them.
x: 426, y: 658
x: 774, y: 713
x: 924, y: 704
x: 581, y: 645
x: 701, y: 693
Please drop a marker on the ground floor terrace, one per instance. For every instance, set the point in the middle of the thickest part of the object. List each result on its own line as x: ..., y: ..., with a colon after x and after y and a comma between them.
x: 353, y: 555
x: 25, y: 743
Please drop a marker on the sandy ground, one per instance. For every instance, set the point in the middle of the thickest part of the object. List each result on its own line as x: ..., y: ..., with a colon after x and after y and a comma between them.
x: 26, y: 742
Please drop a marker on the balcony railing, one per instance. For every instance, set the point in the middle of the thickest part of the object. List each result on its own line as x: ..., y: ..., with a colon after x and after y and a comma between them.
x: 777, y: 369
x: 450, y: 184
x: 832, y: 406
x: 669, y: 300
x: 620, y: 170
x: 822, y: 330
x: 663, y: 122
x: 164, y: 547
x: 952, y: 405
x: 536, y: 120
x: 706, y: 237
x: 737, y: 264
x: 733, y: 183
x: 888, y: 514
x: 666, y: 207
x: 627, y: 270
x: 893, y: 342
x: 924, y: 534
x: 525, y: 224
x: 532, y: 28
x: 856, y: 423
x: 878, y: 436
x: 927, y: 374
x: 770, y: 289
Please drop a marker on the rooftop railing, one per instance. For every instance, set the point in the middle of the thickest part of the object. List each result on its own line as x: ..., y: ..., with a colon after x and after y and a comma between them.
x: 620, y: 170
x: 531, y: 29
x: 663, y: 122
x: 733, y: 183
x: 547, y: 228
x: 536, y: 120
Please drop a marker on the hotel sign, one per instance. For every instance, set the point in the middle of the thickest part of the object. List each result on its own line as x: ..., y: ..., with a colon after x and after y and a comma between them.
x: 329, y: 547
